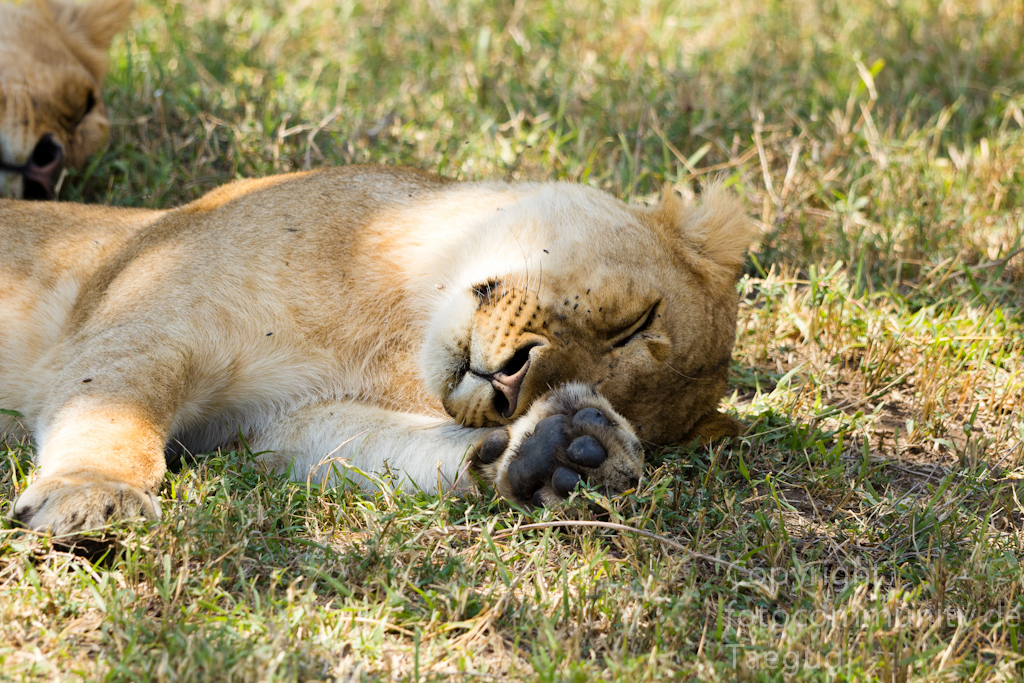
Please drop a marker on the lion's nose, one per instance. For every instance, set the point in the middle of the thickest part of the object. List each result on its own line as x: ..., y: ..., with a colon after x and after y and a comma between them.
x: 41, y: 173
x: 509, y: 380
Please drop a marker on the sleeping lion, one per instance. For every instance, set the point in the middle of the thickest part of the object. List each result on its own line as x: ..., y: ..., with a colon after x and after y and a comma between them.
x: 53, y: 57
x: 360, y: 321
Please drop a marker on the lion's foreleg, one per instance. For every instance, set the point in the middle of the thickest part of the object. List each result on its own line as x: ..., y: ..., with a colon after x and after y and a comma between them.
x: 570, y: 435
x: 348, y: 439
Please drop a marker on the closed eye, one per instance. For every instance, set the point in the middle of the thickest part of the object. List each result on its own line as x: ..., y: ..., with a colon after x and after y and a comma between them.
x: 485, y: 290
x: 90, y: 104
x: 636, y: 328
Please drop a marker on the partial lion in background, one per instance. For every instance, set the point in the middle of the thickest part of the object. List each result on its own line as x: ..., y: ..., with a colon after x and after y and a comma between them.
x: 53, y: 57
x: 402, y: 323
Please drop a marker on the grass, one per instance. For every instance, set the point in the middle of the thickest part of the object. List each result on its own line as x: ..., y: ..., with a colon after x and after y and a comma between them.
x: 868, y: 524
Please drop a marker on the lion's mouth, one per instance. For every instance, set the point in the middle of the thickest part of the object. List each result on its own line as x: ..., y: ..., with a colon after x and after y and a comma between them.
x: 485, y: 397
x: 508, y: 381
x: 506, y: 390
x: 40, y: 175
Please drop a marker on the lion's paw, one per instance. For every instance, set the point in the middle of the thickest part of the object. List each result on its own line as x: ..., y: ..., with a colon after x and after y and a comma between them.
x: 70, y: 503
x: 571, y: 435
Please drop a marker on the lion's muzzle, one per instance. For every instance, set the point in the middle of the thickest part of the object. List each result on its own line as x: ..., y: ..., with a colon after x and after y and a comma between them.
x: 40, y: 174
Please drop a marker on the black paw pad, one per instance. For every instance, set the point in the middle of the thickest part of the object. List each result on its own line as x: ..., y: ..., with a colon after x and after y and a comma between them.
x: 493, y: 445
x: 586, y: 451
x: 589, y: 417
x: 551, y: 432
x: 532, y: 469
x: 564, y: 480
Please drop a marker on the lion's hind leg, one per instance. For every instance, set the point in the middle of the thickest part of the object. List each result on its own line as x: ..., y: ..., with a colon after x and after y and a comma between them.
x: 98, y: 462
x: 75, y: 502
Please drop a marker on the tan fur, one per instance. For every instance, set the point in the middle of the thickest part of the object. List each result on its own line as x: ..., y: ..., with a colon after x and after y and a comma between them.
x: 53, y: 58
x: 338, y: 318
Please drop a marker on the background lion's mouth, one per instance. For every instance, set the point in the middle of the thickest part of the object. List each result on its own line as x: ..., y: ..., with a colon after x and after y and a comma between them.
x: 42, y: 173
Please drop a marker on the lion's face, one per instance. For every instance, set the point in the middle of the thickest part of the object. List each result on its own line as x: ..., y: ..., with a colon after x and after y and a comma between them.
x: 52, y: 62
x: 639, y: 303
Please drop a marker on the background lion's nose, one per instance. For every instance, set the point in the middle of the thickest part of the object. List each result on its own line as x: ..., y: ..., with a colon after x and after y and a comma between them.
x: 509, y: 379
x: 42, y: 171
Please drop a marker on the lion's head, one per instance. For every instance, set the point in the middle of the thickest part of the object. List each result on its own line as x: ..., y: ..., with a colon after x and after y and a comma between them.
x: 52, y: 63
x: 638, y: 302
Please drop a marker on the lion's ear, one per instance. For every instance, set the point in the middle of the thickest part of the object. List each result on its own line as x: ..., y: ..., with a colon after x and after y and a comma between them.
x: 712, y: 427
x: 89, y: 27
x: 717, y: 226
